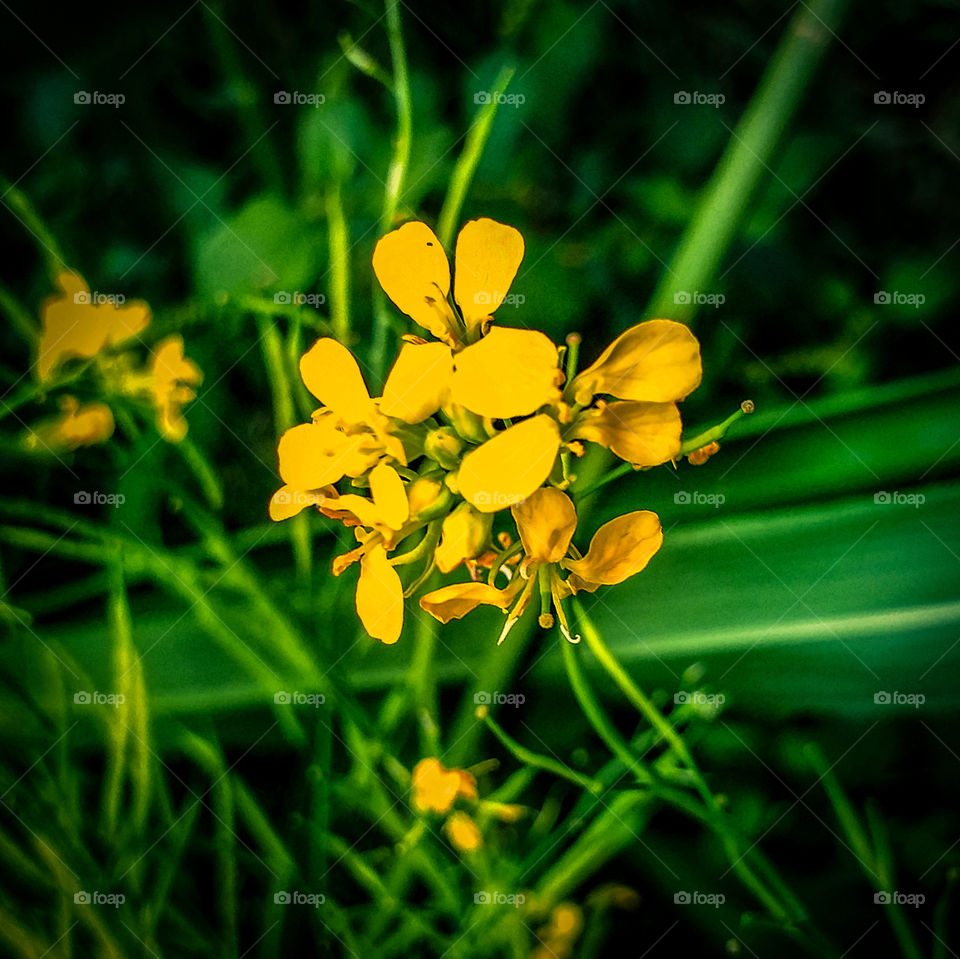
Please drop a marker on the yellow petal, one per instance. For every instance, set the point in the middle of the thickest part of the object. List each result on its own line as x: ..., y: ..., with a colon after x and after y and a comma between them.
x: 436, y: 788
x: 463, y: 832
x: 458, y: 599
x: 308, y: 457
x: 390, y: 495
x: 546, y: 521
x: 418, y: 383
x: 413, y: 270
x: 506, y: 469
x: 619, y: 549
x: 466, y: 533
x: 643, y: 434
x: 380, y: 597
x: 507, y: 373
x: 487, y: 259
x: 656, y: 362
x: 287, y: 502
x: 331, y: 373
x: 71, y: 326
x: 126, y: 321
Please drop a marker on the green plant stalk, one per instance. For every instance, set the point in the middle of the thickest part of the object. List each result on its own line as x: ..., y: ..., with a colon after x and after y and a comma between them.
x: 546, y: 763
x: 338, y: 243
x: 21, y: 320
x: 284, y: 417
x: 469, y: 159
x: 880, y: 878
x: 396, y: 173
x: 23, y: 210
x: 252, y: 123
x: 791, y: 911
x: 203, y: 471
x: 747, y: 156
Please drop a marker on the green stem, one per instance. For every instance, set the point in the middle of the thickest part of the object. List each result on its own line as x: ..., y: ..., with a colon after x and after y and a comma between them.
x: 469, y: 159
x: 338, y: 243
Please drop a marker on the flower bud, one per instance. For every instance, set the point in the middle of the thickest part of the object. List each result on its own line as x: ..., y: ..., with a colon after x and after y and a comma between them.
x: 443, y: 446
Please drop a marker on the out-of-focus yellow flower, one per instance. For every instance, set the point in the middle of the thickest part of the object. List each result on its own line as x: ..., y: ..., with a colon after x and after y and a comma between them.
x: 172, y: 378
x: 463, y: 832
x: 413, y: 270
x: 436, y: 788
x: 74, y: 327
x: 559, y: 935
x: 546, y: 522
x: 648, y: 369
x: 76, y: 426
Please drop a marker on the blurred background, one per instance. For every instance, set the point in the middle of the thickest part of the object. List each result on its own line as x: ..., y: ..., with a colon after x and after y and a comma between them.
x: 809, y: 236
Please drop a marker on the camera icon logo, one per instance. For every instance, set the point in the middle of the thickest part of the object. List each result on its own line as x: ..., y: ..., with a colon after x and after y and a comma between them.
x: 81, y: 96
x: 281, y: 898
x: 81, y: 498
x: 881, y: 699
x: 681, y: 898
x: 882, y: 898
x: 681, y: 497
x: 282, y: 96
x: 481, y: 898
x: 482, y: 298
x: 283, y: 298
x: 882, y: 298
x: 82, y: 698
x: 681, y: 297
x: 681, y: 96
x: 882, y: 97
x: 81, y: 298
x: 81, y: 898
x: 482, y: 698
x: 482, y: 97
x: 882, y: 498
x: 482, y: 498
x: 681, y: 698
x: 282, y: 698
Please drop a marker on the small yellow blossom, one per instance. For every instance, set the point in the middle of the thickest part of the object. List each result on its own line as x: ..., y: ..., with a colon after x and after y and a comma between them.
x: 436, y: 788
x: 76, y: 426
x: 73, y: 327
x: 463, y: 832
x: 172, y: 378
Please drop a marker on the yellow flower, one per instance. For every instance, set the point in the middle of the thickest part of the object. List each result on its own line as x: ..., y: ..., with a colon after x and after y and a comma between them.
x: 172, y: 378
x: 436, y: 788
x: 76, y: 426
x: 463, y: 832
x: 73, y: 327
x: 413, y: 270
x: 648, y: 368
x: 466, y: 533
x: 546, y: 522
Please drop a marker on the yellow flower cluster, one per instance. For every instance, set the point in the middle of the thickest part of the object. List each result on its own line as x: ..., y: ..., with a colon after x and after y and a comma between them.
x: 436, y: 790
x: 477, y: 422
x: 77, y: 327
